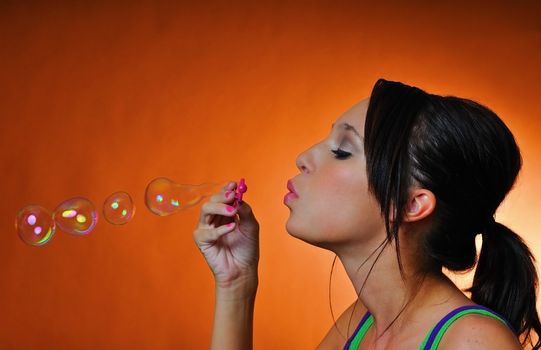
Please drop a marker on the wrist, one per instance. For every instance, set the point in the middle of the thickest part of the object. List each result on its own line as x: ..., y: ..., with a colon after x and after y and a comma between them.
x: 242, y: 288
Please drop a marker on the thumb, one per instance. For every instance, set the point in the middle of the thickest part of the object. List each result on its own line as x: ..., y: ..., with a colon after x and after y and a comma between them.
x: 247, y: 218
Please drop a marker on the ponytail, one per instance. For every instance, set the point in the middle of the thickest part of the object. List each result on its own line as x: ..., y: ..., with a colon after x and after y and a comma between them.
x: 506, y: 281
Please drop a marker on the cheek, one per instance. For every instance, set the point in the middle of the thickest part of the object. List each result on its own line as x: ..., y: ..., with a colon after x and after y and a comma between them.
x: 338, y: 207
x: 339, y: 193
x: 341, y: 185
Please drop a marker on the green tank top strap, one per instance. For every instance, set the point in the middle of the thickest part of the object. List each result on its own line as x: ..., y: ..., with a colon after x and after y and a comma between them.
x: 355, y: 339
x: 433, y: 338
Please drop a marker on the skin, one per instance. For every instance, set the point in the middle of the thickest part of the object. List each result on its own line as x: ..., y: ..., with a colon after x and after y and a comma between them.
x: 353, y: 233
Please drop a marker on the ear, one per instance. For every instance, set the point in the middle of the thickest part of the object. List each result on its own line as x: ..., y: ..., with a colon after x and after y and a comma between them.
x: 421, y: 203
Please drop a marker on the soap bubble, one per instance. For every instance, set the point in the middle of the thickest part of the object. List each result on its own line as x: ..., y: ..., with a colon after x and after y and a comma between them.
x: 118, y: 208
x: 35, y: 225
x: 164, y: 197
x: 76, y: 216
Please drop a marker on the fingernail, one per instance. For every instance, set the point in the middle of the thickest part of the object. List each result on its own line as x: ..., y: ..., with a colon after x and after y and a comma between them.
x: 230, y: 208
x: 228, y: 194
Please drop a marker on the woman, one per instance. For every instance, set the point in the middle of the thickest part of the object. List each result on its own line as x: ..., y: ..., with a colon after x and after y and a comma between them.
x: 411, y: 178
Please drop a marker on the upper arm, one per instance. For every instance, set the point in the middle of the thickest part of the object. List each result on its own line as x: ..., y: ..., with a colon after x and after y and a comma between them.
x: 478, y: 332
x: 335, y: 339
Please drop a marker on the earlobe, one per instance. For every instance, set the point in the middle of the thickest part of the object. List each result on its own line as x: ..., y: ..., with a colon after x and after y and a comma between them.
x: 420, y: 205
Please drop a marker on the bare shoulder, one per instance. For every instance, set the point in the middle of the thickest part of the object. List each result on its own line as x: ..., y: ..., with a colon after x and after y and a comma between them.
x: 336, y: 338
x: 479, y: 332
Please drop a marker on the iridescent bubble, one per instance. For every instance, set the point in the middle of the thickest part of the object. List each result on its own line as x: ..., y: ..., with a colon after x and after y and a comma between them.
x: 164, y: 197
x: 76, y: 216
x: 35, y: 225
x: 118, y: 208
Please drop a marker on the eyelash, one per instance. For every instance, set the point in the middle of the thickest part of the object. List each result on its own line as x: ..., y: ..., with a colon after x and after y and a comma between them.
x: 339, y: 154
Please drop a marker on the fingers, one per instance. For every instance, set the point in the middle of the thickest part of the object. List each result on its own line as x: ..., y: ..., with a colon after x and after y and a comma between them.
x: 231, y: 185
x: 219, y: 209
x: 226, y: 192
x: 226, y: 196
x: 215, y: 205
x: 218, y: 216
x: 213, y: 234
x: 210, y: 209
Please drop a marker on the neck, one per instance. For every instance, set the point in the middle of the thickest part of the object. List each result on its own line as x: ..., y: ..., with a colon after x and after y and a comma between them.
x: 379, y: 283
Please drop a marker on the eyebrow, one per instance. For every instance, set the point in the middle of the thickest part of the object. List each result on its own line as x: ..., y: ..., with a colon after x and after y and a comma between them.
x: 350, y: 128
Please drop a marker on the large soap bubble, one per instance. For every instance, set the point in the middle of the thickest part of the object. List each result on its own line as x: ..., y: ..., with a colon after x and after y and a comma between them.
x: 76, y: 216
x: 35, y: 225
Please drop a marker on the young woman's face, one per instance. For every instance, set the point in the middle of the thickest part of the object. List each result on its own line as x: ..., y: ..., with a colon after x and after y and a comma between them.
x: 334, y: 207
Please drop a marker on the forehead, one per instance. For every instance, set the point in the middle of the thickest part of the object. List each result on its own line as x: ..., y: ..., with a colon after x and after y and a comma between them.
x: 356, y: 115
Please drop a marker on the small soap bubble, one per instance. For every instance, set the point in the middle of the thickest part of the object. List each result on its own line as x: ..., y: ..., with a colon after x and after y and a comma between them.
x: 76, y: 216
x: 35, y: 225
x: 118, y: 208
x: 164, y: 197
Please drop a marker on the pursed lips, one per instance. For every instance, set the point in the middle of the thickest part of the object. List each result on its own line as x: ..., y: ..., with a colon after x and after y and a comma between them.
x: 291, y: 188
x: 292, y: 194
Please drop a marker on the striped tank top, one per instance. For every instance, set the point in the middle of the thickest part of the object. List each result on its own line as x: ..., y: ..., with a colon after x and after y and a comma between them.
x: 434, y: 336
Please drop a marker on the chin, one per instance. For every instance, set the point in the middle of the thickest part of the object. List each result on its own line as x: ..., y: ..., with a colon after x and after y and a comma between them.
x: 296, y: 228
x: 308, y: 235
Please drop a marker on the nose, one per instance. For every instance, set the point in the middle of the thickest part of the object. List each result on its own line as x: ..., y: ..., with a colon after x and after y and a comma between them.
x: 301, y: 162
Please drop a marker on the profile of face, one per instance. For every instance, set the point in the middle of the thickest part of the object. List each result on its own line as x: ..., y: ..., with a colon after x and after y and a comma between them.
x: 334, y: 208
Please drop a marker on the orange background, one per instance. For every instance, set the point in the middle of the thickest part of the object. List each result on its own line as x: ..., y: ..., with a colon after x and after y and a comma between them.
x: 97, y: 98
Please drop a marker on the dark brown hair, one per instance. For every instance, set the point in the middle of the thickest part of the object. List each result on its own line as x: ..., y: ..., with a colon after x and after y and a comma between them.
x: 467, y: 157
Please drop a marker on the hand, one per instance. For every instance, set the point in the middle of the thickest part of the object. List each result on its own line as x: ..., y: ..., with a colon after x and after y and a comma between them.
x: 229, y: 240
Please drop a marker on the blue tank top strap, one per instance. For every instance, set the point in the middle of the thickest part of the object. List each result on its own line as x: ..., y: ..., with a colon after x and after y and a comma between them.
x: 433, y: 338
x: 355, y: 339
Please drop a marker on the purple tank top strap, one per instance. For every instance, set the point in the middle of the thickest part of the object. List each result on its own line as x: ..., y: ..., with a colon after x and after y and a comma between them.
x: 433, y: 338
x: 361, y: 323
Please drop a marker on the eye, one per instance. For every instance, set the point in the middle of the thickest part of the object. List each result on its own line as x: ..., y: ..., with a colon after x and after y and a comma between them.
x: 339, y: 154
